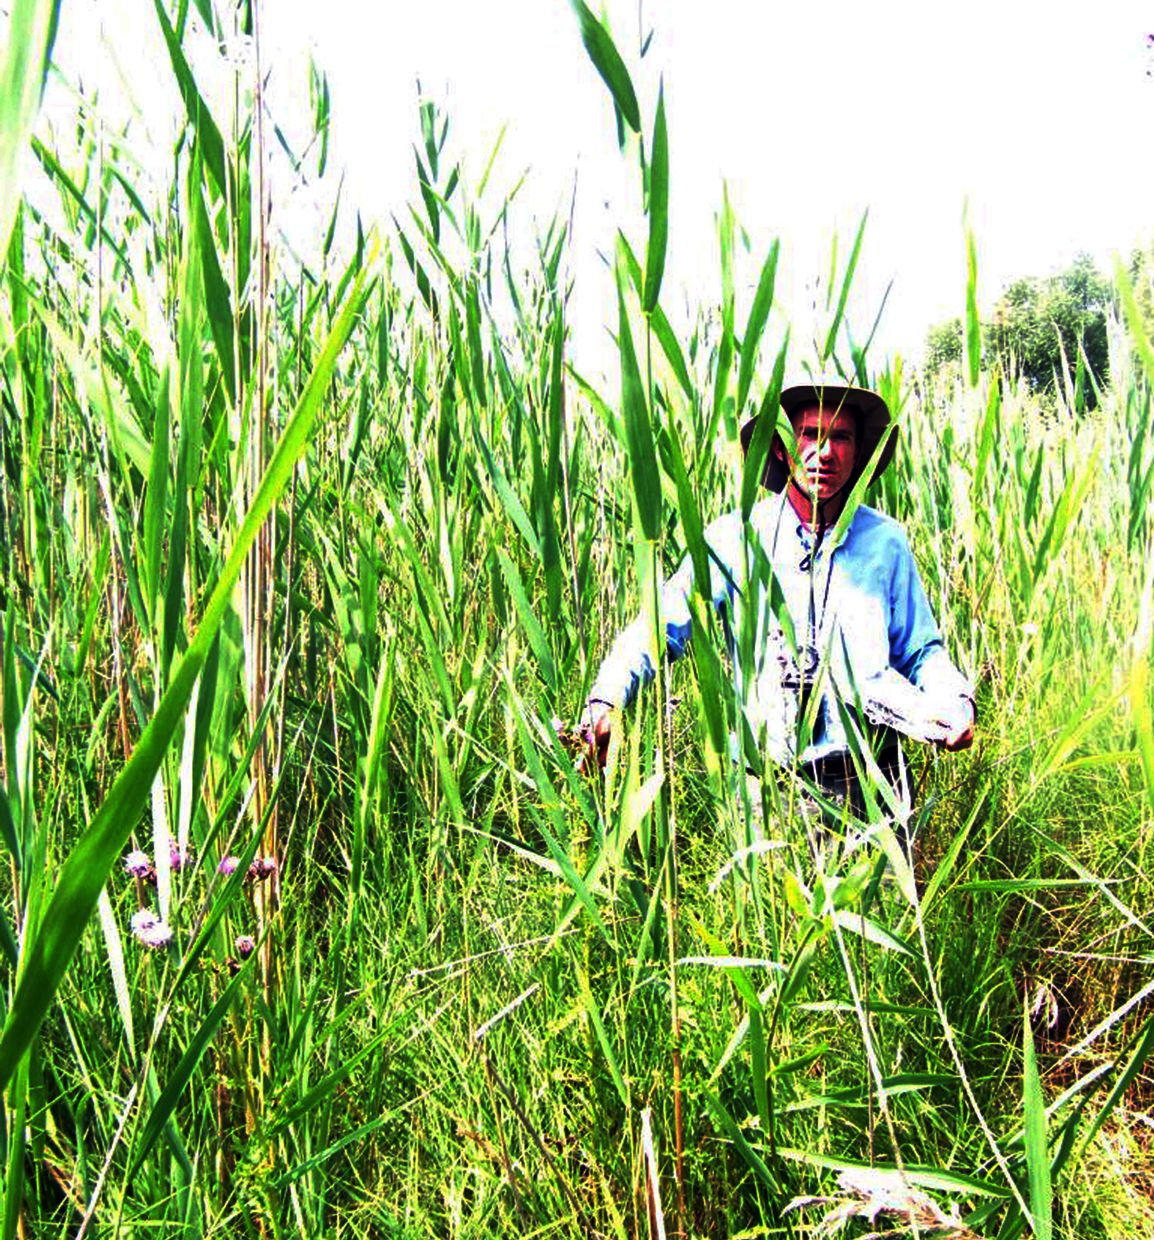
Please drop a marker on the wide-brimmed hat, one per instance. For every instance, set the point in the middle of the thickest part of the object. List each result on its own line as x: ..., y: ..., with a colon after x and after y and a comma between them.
x: 873, y: 417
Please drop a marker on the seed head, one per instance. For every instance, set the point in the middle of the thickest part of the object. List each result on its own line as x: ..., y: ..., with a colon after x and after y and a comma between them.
x: 245, y: 945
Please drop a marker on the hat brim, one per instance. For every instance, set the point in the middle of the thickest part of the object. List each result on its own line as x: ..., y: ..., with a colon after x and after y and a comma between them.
x: 873, y: 420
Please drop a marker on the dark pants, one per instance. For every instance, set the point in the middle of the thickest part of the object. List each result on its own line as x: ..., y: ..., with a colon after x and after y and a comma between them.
x: 836, y: 777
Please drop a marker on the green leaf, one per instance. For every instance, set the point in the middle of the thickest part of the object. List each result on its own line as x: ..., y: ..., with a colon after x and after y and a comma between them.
x: 157, y: 493
x: 736, y: 974
x: 607, y: 61
x: 658, y: 209
x: 12, y: 1187
x: 846, y: 285
x: 1037, y: 1149
x: 973, y: 325
x: 755, y: 326
x: 869, y: 930
x: 31, y: 32
x: 200, y: 118
x: 1083, y: 719
x: 771, y: 420
x: 658, y: 323
x: 165, y: 1104
x: 594, y: 1012
x: 538, y: 642
x: 55, y: 170
x: 95, y: 383
x: 747, y: 1152
x: 638, y: 431
x: 1024, y: 884
x: 514, y: 509
x: 217, y: 300
x: 1143, y: 1046
x: 936, y: 1178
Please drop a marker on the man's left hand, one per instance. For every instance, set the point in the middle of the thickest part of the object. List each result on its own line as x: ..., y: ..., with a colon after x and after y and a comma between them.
x: 962, y: 734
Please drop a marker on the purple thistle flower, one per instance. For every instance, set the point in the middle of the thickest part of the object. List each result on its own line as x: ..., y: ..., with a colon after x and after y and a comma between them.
x: 150, y: 930
x: 159, y: 936
x: 178, y: 857
x: 228, y: 865
x: 245, y: 945
x: 143, y: 919
x: 262, y: 868
x: 137, y: 864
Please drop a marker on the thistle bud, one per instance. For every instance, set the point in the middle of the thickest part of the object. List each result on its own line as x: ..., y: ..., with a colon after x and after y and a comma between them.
x: 262, y: 868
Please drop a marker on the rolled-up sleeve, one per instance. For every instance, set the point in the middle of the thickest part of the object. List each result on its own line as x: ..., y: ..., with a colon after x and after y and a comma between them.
x: 629, y: 663
x: 916, y: 647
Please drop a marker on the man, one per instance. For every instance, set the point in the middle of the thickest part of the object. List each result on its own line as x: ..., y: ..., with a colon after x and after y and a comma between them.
x: 855, y: 628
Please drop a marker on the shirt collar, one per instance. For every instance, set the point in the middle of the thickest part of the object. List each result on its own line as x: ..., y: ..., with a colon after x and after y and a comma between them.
x: 781, y: 518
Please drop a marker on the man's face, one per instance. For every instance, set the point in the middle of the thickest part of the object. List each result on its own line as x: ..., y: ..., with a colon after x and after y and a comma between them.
x: 827, y: 444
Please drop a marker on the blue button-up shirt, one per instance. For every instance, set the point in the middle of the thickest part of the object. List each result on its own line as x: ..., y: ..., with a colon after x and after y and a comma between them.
x: 862, y: 628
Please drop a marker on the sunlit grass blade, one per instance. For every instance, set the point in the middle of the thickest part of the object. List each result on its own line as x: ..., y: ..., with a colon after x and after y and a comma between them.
x: 638, y: 430
x: 658, y: 323
x: 608, y: 63
x: 973, y: 324
x: 199, y: 116
x: 843, y: 294
x: 538, y: 642
x: 658, y: 208
x: 181, y: 1074
x: 1037, y: 1144
x: 755, y: 325
x: 28, y: 50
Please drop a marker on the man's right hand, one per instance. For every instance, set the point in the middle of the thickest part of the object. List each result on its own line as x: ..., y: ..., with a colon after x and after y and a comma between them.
x: 594, y: 729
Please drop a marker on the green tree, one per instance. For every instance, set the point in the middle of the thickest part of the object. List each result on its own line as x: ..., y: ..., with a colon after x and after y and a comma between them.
x: 944, y: 345
x: 1040, y: 328
x: 1141, y: 273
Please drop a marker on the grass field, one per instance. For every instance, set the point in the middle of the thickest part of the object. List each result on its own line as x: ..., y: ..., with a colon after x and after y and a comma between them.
x: 302, y: 562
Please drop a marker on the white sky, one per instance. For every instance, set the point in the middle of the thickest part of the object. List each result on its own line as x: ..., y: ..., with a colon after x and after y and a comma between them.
x: 1038, y: 114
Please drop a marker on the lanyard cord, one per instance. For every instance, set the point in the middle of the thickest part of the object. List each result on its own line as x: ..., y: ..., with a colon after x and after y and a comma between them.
x: 809, y: 566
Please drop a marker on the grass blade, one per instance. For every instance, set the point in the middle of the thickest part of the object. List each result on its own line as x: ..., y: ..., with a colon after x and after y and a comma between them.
x: 846, y: 285
x: 31, y: 33
x: 199, y: 117
x: 755, y: 325
x: 638, y: 431
x: 607, y: 61
x: 165, y: 1103
x: 973, y: 325
x: 1037, y: 1147
x: 658, y: 209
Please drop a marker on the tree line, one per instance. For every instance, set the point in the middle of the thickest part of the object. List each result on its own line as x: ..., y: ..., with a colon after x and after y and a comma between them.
x: 1050, y: 331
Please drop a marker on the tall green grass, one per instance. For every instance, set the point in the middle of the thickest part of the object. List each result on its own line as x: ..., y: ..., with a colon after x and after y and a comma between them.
x: 304, y: 560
